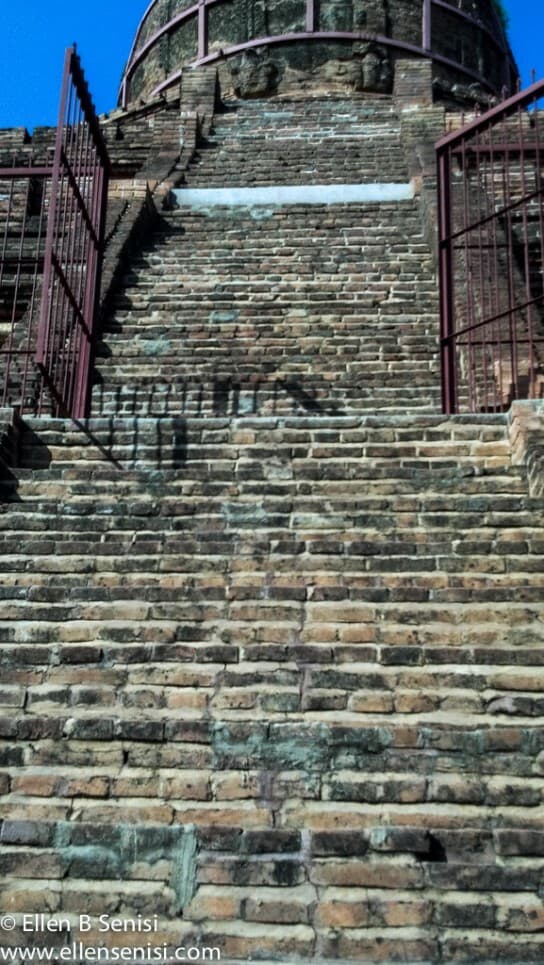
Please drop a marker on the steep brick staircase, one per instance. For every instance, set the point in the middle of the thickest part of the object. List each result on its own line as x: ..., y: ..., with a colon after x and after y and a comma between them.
x: 276, y: 658
x: 281, y: 309
x: 288, y: 141
x: 275, y: 310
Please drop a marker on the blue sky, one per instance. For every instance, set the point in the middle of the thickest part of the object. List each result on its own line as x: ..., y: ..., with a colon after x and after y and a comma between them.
x: 35, y: 33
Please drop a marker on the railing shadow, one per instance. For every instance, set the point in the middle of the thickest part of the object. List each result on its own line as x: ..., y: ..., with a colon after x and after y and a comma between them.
x: 223, y: 396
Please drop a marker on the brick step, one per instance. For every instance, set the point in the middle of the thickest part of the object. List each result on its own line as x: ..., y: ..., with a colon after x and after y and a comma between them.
x: 431, y: 518
x: 492, y: 552
x: 519, y: 583
x: 302, y: 399
x: 313, y: 323
x: 388, y: 428
x: 452, y: 618
x: 306, y: 512
x: 86, y: 645
x: 289, y: 473
x: 348, y: 744
x: 101, y: 782
x: 411, y: 586
x: 272, y: 448
x: 287, y: 168
x: 300, y: 451
x: 476, y: 513
x: 139, y: 357
x: 395, y: 579
x: 239, y: 702
x: 419, y: 578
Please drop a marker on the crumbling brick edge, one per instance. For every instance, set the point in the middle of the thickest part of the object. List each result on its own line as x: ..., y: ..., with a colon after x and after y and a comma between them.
x: 526, y: 434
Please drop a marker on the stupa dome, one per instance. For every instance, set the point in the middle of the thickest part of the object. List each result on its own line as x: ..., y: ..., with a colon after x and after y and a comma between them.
x: 264, y: 46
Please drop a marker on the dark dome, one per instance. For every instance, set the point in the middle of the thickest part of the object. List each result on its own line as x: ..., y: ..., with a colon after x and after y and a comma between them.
x: 288, y: 41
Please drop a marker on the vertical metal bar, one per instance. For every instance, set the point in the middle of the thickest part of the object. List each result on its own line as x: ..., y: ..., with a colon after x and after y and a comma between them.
x: 6, y: 228
x: 16, y: 285
x: 467, y: 318
x: 92, y: 296
x: 31, y: 327
x: 510, y: 276
x: 447, y: 319
x: 23, y: 238
x: 202, y: 29
x: 66, y: 239
x: 45, y: 313
x: 85, y: 289
x: 540, y: 209
x: 78, y: 260
x: 426, y: 27
x: 2, y: 263
x: 526, y: 248
x: 310, y: 16
x: 493, y: 204
x: 486, y: 353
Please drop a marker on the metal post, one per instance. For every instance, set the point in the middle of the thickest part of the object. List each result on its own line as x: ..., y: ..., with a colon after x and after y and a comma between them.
x: 202, y: 29
x: 310, y: 16
x: 45, y: 311
x: 426, y: 30
x: 447, y: 322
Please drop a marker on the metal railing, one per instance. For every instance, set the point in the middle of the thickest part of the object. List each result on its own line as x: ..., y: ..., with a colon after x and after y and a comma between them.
x: 51, y: 248
x: 491, y: 256
x: 427, y: 45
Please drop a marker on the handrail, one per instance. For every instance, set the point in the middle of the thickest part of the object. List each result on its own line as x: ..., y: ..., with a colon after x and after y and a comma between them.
x: 517, y: 101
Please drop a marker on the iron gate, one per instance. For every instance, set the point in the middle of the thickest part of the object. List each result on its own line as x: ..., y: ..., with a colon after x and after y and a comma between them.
x: 51, y: 252
x: 491, y: 251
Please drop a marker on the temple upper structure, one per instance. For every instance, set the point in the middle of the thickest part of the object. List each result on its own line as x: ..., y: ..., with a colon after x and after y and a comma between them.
x: 273, y: 46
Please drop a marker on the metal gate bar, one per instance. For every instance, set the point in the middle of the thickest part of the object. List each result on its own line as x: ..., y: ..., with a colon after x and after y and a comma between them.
x: 51, y: 248
x: 491, y: 257
x: 74, y: 247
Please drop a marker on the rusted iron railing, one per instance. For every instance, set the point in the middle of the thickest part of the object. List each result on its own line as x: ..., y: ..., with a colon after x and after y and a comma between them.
x: 491, y: 251
x: 51, y: 248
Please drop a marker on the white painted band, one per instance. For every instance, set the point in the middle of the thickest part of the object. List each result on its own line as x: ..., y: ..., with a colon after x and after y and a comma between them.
x: 294, y: 194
